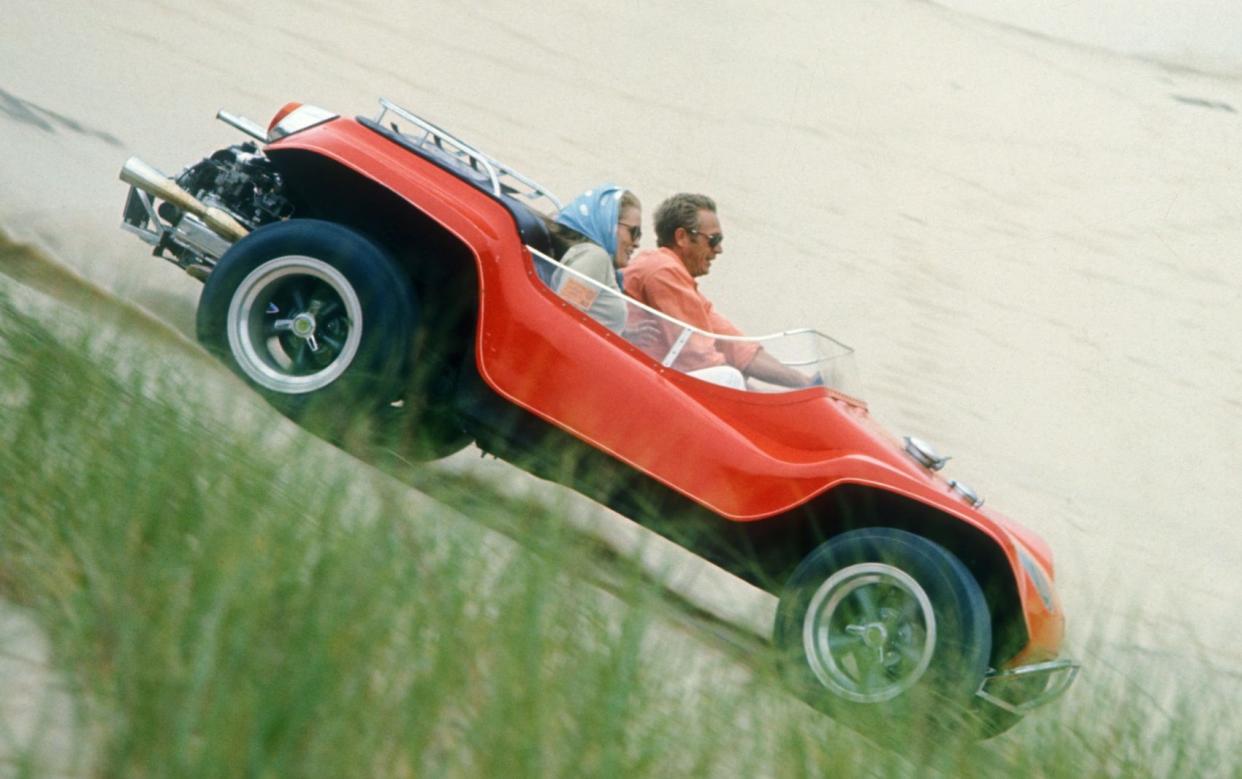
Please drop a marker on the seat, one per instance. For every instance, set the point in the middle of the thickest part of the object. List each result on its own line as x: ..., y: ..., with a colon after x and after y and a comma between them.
x: 529, y: 224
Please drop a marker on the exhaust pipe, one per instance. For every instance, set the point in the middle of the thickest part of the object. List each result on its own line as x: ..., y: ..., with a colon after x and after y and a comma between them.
x: 139, y: 174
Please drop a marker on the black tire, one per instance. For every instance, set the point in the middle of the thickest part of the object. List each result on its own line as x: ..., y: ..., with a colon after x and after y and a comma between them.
x: 420, y: 434
x: 316, y: 317
x: 880, y: 628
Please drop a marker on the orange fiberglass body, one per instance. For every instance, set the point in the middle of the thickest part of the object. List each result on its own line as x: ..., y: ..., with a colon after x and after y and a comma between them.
x: 745, y: 456
x: 752, y: 465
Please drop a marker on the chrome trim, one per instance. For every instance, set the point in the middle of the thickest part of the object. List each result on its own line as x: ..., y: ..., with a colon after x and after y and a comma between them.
x: 897, y: 639
x: 139, y: 174
x: 193, y: 232
x: 247, y: 126
x: 966, y: 492
x: 202, y: 244
x: 493, y: 169
x: 146, y: 236
x: 154, y: 230
x: 674, y: 351
x: 260, y: 354
x: 1056, y: 687
x: 923, y: 453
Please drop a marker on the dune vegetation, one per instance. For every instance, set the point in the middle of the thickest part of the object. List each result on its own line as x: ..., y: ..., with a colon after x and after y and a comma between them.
x: 229, y: 599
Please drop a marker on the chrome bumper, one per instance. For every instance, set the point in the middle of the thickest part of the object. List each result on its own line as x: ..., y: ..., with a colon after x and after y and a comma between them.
x: 1019, y: 690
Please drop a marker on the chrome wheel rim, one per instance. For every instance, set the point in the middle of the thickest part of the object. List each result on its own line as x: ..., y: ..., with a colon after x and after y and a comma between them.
x: 869, y: 633
x: 294, y: 324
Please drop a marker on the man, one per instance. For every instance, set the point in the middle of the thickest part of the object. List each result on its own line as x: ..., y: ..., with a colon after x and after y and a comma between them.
x: 689, y: 239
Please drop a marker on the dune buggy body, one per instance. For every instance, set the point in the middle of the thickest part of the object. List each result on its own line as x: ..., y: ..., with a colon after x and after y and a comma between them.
x: 754, y: 479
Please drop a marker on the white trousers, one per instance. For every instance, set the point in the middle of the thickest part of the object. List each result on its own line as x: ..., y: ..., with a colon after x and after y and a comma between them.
x: 724, y: 375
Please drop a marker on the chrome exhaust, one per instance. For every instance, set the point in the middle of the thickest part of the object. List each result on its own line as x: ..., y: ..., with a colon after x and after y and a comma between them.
x: 139, y: 174
x: 245, y: 125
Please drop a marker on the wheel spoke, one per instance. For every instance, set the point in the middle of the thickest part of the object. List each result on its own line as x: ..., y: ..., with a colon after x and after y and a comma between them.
x: 873, y: 675
x: 840, y: 643
x: 328, y: 308
x: 279, y: 326
x: 336, y: 343
x: 865, y: 598
x: 299, y: 353
x: 890, y: 617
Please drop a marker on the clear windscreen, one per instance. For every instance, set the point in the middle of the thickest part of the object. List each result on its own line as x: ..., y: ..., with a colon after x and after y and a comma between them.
x: 780, y: 362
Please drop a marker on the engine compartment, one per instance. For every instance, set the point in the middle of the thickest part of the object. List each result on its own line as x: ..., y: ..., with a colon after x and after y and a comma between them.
x: 238, y: 180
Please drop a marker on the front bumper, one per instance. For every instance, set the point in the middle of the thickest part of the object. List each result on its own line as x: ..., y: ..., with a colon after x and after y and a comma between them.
x: 1019, y: 690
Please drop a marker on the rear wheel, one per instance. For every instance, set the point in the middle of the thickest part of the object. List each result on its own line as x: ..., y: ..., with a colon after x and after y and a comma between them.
x: 882, y: 629
x: 315, y: 316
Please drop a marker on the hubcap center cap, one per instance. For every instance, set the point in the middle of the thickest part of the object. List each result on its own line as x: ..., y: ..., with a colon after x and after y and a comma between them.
x: 874, y: 635
x: 304, y: 325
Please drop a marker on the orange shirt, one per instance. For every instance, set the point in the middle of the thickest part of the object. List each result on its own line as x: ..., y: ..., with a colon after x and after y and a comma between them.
x: 659, y: 279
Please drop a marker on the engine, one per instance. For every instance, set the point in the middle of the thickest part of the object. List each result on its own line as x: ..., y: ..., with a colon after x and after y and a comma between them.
x: 239, y: 181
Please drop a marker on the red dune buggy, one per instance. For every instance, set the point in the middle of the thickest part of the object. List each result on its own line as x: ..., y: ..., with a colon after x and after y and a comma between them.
x: 384, y: 266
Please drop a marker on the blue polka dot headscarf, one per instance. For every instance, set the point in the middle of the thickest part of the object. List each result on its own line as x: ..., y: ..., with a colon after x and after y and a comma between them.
x: 594, y: 213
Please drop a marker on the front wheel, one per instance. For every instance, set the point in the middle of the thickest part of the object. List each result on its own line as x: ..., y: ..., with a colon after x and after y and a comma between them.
x: 880, y: 627
x: 313, y: 315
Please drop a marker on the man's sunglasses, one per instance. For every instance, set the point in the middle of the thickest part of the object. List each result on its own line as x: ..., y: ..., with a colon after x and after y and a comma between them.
x: 713, y: 240
x: 636, y: 231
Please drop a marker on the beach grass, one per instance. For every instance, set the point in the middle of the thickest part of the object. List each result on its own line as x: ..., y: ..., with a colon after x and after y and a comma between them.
x: 232, y: 600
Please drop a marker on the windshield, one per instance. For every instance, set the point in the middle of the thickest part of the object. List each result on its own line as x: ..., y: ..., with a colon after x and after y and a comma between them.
x: 769, y: 363
x: 812, y: 357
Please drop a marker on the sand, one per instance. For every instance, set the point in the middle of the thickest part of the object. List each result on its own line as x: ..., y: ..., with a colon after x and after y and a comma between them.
x: 1033, y: 245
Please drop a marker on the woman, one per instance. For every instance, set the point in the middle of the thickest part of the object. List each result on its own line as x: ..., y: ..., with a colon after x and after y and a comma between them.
x: 595, y: 235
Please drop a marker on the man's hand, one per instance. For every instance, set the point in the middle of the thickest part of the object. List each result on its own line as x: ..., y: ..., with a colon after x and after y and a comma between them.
x: 767, y: 368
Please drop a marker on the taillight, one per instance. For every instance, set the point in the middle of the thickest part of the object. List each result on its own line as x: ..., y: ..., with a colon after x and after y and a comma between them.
x: 284, y: 111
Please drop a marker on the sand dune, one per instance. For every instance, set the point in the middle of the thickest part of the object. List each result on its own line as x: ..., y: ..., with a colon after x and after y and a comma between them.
x: 1033, y: 245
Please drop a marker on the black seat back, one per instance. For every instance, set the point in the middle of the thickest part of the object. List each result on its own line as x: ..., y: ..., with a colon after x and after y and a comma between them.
x: 530, y: 225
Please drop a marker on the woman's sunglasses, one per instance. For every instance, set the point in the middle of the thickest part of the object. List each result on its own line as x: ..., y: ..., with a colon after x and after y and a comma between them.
x: 636, y: 231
